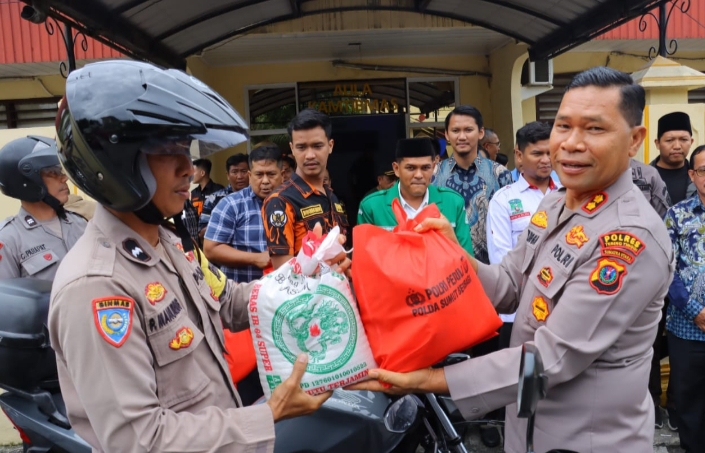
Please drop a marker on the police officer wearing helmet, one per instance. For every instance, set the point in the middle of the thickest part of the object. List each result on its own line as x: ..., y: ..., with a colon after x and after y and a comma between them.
x: 33, y: 242
x: 137, y: 319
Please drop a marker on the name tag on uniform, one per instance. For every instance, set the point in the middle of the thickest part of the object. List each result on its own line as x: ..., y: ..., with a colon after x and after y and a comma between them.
x: 40, y: 261
x: 311, y: 211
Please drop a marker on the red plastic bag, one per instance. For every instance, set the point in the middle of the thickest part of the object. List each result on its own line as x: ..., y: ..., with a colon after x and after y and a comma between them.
x: 419, y: 298
x: 241, y: 358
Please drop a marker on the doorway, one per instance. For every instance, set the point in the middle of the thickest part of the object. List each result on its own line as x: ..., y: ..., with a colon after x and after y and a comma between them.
x: 363, y: 145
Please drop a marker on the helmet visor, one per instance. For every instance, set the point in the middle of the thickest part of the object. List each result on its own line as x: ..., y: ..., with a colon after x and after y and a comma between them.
x: 197, y: 145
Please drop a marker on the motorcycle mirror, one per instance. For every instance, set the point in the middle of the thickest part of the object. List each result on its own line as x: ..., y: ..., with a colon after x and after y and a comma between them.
x: 402, y: 414
x: 532, y: 381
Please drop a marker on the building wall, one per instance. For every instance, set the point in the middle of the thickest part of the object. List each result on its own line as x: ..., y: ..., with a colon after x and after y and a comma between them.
x: 231, y: 81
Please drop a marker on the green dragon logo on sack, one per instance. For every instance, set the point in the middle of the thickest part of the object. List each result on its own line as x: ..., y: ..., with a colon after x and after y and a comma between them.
x: 305, y: 324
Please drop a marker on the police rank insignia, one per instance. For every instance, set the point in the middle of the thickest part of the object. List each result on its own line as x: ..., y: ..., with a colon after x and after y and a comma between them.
x: 155, y: 292
x: 540, y: 219
x: 113, y: 318
x: 30, y: 220
x: 133, y: 248
x: 540, y: 308
x: 183, y: 339
x: 576, y: 236
x: 607, y: 276
x: 545, y: 276
x: 595, y: 203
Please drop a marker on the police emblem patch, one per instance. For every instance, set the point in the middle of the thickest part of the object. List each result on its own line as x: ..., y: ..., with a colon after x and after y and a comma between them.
x: 540, y: 219
x: 155, y: 292
x: 540, y: 308
x: 576, y: 236
x: 278, y: 219
x: 607, y: 276
x: 132, y: 247
x: 595, y: 203
x: 183, y: 339
x: 545, y: 276
x: 113, y: 318
x: 30, y: 220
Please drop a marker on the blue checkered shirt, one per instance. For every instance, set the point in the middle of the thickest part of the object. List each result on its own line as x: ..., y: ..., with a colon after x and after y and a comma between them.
x: 237, y: 221
x: 686, y: 226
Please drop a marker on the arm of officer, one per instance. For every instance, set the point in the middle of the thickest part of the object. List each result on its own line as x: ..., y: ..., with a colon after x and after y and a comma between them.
x: 117, y: 386
x: 660, y: 200
x: 586, y: 322
x: 9, y: 255
x: 499, y: 229
x: 278, y: 218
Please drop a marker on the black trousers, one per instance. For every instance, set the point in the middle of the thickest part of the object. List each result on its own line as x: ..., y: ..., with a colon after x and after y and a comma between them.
x: 660, y: 351
x: 688, y: 378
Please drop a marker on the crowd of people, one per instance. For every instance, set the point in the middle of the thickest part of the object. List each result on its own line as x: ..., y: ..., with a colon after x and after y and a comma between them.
x: 577, y: 248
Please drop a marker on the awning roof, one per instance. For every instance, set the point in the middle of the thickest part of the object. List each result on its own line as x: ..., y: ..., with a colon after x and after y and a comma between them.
x: 168, y: 31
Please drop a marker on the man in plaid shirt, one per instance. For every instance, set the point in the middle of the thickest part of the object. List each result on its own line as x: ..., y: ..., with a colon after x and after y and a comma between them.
x: 235, y: 237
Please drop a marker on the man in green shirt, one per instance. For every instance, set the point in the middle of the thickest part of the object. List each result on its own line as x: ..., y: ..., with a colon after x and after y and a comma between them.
x: 414, y: 168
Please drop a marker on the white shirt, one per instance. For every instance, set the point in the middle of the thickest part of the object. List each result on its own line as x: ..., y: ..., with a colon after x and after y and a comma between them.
x: 509, y: 213
x: 410, y: 211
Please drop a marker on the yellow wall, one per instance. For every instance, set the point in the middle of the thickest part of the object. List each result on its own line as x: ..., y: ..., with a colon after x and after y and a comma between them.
x: 32, y: 87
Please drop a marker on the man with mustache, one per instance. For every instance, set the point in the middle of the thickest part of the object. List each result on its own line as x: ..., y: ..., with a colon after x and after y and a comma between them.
x: 33, y: 242
x: 674, y: 139
x: 587, y: 279
x: 303, y: 201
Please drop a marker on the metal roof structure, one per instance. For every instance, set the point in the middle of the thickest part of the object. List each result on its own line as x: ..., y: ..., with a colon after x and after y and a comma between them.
x: 168, y: 31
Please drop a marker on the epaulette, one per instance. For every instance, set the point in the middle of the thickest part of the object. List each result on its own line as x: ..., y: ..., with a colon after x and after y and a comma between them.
x: 3, y: 223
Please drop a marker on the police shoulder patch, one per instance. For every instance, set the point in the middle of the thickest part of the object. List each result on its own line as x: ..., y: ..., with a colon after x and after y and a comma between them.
x: 607, y: 277
x: 113, y: 318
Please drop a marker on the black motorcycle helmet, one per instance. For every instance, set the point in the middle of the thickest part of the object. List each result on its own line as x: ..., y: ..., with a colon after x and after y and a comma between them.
x: 21, y: 162
x: 115, y: 112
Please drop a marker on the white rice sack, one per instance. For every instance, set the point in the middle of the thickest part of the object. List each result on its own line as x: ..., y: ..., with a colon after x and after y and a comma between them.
x: 305, y: 306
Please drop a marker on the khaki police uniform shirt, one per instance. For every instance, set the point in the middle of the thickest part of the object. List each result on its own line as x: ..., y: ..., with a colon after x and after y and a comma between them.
x: 29, y: 248
x: 588, y: 286
x: 139, y: 346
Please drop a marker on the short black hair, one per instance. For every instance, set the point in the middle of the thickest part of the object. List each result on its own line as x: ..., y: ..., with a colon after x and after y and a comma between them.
x: 203, y: 164
x: 695, y: 152
x: 289, y: 160
x: 266, y: 152
x: 236, y: 159
x: 633, y: 95
x: 308, y: 119
x: 531, y: 133
x: 467, y: 110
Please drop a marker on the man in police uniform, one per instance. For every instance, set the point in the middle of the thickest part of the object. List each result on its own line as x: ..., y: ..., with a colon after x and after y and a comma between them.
x: 304, y: 200
x: 588, y: 278
x: 33, y: 242
x: 136, y: 318
x: 414, y: 168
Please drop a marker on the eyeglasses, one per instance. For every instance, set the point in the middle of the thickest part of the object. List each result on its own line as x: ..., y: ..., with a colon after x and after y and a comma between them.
x: 497, y: 144
x: 700, y: 171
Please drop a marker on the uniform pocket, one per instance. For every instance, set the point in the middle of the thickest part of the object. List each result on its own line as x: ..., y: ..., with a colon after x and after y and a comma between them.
x: 179, y: 375
x: 39, y: 262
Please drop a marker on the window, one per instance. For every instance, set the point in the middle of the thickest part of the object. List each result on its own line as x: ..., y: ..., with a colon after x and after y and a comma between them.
x: 28, y: 113
x: 269, y: 110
